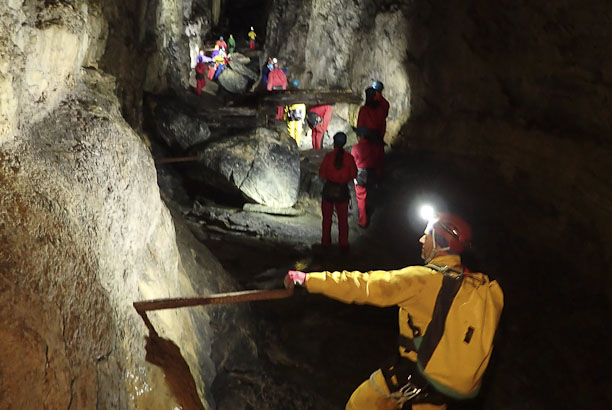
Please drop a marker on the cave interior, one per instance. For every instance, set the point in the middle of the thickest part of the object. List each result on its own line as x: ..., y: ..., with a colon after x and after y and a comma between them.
x: 499, y: 113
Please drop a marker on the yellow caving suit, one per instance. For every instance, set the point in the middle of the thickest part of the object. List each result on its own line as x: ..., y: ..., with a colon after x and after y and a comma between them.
x: 295, y: 126
x: 414, y: 289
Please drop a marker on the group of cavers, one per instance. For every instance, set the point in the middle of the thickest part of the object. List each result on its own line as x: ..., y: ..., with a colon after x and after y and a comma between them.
x: 363, y: 165
x: 212, y: 66
x: 447, y: 314
x: 275, y: 78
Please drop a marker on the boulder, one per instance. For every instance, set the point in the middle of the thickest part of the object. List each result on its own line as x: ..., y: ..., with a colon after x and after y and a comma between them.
x: 233, y: 81
x: 244, y: 70
x: 178, y: 129
x: 262, y: 166
x: 240, y: 58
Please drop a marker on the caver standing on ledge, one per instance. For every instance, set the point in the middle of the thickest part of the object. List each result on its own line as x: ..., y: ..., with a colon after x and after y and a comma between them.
x: 252, y: 36
x: 373, y: 116
x: 447, y: 320
x: 200, y: 70
x: 231, y: 43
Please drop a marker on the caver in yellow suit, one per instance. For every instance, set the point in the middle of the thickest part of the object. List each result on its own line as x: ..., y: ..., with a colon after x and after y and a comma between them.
x: 447, y: 320
x: 295, y: 115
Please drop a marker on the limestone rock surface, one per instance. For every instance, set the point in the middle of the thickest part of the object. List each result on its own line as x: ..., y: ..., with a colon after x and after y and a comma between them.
x: 233, y: 81
x: 178, y: 129
x: 264, y: 167
x: 343, y: 44
x: 244, y: 70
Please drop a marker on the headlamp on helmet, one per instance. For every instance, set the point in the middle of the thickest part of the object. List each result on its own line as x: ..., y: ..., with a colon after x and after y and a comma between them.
x: 378, y: 85
x: 450, y: 233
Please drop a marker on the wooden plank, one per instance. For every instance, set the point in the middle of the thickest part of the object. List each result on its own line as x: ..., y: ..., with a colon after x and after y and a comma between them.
x: 220, y: 112
x: 310, y: 97
x: 174, y: 160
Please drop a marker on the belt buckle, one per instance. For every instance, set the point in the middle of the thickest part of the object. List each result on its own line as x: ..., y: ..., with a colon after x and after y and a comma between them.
x: 409, y: 390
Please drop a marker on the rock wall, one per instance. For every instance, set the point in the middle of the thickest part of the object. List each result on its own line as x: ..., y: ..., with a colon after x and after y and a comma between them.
x: 521, y: 91
x: 83, y: 230
x: 344, y: 45
x: 152, y: 47
x: 42, y: 50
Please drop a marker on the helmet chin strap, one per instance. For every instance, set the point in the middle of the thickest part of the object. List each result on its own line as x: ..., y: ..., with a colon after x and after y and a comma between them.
x: 434, y: 248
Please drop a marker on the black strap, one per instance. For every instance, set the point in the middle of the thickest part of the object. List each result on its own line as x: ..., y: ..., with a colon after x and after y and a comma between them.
x: 406, y: 343
x: 435, y: 329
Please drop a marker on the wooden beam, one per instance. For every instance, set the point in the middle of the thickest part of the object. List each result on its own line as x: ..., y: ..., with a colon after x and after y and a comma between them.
x: 310, y: 97
x: 174, y: 160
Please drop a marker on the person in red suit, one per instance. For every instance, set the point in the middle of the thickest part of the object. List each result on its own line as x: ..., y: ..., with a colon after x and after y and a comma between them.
x: 337, y: 169
x: 373, y: 116
x: 382, y: 102
x: 318, y: 119
x: 200, y: 70
x: 277, y: 80
x: 221, y: 43
x: 367, y: 158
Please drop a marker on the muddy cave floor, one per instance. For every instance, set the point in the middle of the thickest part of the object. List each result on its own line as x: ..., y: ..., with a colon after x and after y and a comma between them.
x: 553, y: 345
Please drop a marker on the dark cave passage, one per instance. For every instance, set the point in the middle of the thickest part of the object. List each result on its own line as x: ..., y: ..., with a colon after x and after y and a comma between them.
x: 237, y: 18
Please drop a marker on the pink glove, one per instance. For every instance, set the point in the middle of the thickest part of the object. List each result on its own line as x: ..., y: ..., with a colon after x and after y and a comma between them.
x: 294, y: 277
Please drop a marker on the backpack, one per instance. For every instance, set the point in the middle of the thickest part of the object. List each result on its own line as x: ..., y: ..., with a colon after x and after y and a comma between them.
x: 455, y: 349
x: 294, y: 115
x: 313, y: 119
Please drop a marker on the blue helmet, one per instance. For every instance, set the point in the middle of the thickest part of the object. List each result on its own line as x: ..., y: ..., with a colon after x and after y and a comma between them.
x: 220, y: 37
x: 378, y: 85
x: 295, y: 83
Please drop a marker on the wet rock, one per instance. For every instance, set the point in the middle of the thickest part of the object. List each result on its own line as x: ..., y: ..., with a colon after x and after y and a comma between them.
x: 233, y: 81
x: 262, y: 166
x: 178, y: 129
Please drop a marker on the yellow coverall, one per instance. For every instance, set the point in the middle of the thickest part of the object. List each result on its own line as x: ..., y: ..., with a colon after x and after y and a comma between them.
x: 414, y: 289
x: 294, y: 127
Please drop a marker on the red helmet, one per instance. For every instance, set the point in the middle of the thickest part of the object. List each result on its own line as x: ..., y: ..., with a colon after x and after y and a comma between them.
x: 452, y: 232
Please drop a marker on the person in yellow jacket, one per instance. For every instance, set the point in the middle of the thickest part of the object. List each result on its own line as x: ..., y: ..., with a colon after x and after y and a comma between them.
x: 252, y: 36
x: 408, y: 381
x: 295, y: 115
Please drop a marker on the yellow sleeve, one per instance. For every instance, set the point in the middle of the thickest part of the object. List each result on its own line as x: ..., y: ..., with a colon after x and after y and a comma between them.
x: 379, y: 288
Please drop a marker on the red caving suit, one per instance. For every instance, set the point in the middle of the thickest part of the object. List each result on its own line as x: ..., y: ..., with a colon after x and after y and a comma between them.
x: 336, y: 178
x: 375, y: 119
x: 367, y: 157
x: 200, y: 70
x: 325, y: 112
x: 277, y: 78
